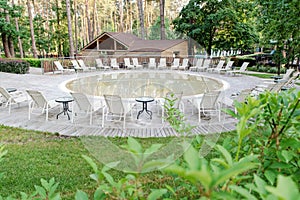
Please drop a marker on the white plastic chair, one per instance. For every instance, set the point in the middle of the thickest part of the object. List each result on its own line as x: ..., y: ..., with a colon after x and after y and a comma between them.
x: 84, y: 67
x: 17, y: 97
x: 116, y: 109
x: 114, y: 64
x: 77, y: 66
x: 185, y: 64
x: 218, y: 67
x: 162, y: 63
x: 228, y: 67
x: 40, y: 102
x: 135, y: 62
x: 197, y: 66
x: 205, y: 66
x: 128, y: 64
x: 176, y: 63
x: 83, y: 105
x: 152, y: 63
x: 239, y: 71
x: 60, y: 68
x: 99, y: 64
x: 208, y: 104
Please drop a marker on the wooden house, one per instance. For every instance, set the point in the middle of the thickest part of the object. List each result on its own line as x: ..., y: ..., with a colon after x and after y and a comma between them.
x: 126, y: 44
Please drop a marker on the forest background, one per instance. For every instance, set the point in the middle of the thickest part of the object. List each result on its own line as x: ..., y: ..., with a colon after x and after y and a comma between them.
x: 42, y: 28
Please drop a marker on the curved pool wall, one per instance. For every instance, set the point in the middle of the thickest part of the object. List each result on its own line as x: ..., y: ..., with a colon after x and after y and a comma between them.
x: 131, y: 84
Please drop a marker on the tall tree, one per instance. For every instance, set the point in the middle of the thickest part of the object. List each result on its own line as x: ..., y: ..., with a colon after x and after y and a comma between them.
x: 34, y: 51
x: 162, y: 19
x: 19, y: 39
x: 279, y: 22
x: 70, y: 34
x: 217, y: 24
x: 88, y: 20
x: 141, y: 17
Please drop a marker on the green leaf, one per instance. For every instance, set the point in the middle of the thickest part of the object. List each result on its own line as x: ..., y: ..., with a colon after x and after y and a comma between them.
x: 245, y: 193
x: 99, y: 194
x: 260, y: 185
x: 157, y: 193
x: 225, y: 154
x: 191, y: 156
x: 154, y: 148
x: 203, y: 176
x: 286, y: 189
x: 91, y: 163
x: 41, y: 191
x: 288, y: 156
x: 134, y: 145
x: 271, y: 176
x: 80, y: 195
x: 233, y: 171
x: 109, y: 178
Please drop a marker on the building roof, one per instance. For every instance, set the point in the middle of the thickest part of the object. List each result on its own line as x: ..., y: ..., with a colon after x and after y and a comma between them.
x: 136, y: 44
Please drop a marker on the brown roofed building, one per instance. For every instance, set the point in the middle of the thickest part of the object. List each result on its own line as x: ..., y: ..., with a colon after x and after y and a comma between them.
x: 121, y: 44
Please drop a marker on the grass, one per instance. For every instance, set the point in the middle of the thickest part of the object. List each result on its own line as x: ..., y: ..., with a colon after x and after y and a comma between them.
x: 33, y: 155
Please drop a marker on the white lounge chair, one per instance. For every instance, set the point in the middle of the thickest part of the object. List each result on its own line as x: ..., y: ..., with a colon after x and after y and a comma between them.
x: 205, y: 66
x: 9, y: 99
x: 127, y: 63
x: 184, y: 65
x: 228, y: 67
x: 162, y: 63
x: 285, y: 76
x: 136, y: 64
x: 217, y: 68
x: 152, y: 63
x: 84, y: 67
x: 114, y: 64
x: 40, y: 102
x: 197, y: 66
x: 239, y: 71
x: 208, y: 103
x: 116, y: 109
x: 83, y: 105
x: 76, y: 66
x: 175, y: 64
x: 99, y: 64
x: 60, y: 68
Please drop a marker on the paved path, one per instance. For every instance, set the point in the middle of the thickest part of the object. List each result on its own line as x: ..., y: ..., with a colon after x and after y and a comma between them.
x: 49, y: 84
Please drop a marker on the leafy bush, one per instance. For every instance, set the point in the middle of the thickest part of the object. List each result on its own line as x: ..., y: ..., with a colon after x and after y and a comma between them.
x: 14, y: 66
x: 34, y: 62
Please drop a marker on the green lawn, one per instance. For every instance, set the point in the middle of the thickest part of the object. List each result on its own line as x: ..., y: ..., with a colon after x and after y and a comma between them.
x: 34, y: 155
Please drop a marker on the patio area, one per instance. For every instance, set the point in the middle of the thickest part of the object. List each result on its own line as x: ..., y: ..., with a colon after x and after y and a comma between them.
x: 49, y: 85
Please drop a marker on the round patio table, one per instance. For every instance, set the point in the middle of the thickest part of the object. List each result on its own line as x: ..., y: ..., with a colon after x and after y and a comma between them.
x: 144, y: 100
x: 65, y: 102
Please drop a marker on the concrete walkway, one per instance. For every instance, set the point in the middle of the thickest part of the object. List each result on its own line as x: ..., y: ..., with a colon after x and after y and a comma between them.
x: 49, y: 84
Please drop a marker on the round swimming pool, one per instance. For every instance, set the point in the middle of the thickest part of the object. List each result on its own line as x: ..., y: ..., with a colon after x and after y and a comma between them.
x: 151, y: 83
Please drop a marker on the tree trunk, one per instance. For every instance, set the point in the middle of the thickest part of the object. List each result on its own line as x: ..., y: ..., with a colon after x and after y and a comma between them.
x: 162, y: 20
x: 5, y: 45
x: 141, y: 16
x: 121, y: 16
x: 70, y: 34
x: 9, y: 38
x: 31, y: 30
x: 90, y: 37
x: 76, y: 26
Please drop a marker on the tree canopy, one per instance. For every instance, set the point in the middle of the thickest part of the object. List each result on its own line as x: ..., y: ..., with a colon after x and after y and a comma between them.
x: 220, y: 24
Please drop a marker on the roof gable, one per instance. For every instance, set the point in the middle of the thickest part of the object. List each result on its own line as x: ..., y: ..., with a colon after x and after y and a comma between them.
x: 134, y: 43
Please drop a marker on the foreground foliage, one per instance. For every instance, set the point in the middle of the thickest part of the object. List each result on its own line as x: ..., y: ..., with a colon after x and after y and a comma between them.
x: 260, y: 162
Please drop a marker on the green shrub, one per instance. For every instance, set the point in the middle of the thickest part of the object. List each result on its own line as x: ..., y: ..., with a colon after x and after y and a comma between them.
x: 14, y: 66
x: 34, y: 62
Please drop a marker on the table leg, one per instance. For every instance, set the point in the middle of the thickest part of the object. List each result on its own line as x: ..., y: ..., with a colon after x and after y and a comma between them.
x: 65, y: 110
x: 144, y: 109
